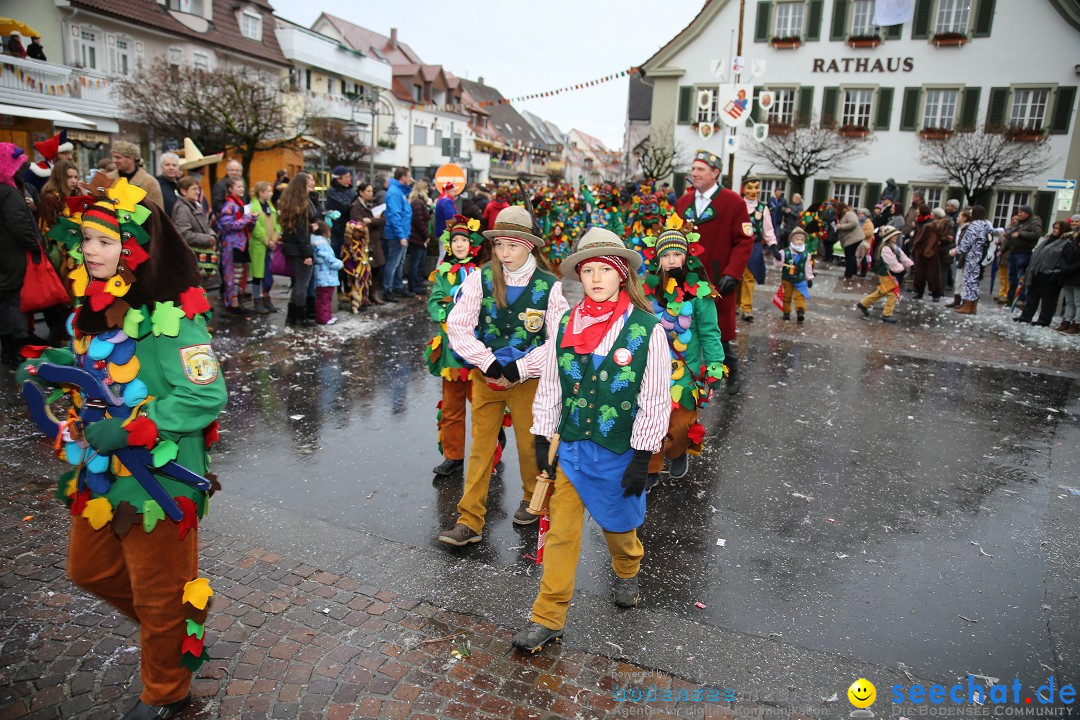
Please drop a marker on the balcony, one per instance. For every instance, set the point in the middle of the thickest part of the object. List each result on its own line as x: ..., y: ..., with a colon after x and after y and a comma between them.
x: 56, y: 87
x: 318, y: 51
x: 324, y: 105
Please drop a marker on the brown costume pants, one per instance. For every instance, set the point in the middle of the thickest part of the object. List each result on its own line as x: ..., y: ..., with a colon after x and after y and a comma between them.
x: 677, y: 440
x: 927, y: 273
x: 455, y: 395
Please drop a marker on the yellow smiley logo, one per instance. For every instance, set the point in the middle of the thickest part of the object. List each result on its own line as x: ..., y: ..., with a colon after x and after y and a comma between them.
x: 862, y: 693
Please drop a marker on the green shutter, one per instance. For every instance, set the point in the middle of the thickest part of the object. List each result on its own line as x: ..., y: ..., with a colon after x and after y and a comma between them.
x: 982, y: 197
x: 920, y: 27
x: 813, y: 23
x: 984, y: 18
x: 884, y: 109
x: 995, y: 111
x: 829, y: 117
x: 969, y: 109
x: 903, y: 201
x: 956, y: 193
x: 821, y: 192
x: 1044, y: 207
x: 762, y: 31
x: 909, y: 113
x: 838, y: 29
x: 686, y: 103
x: 873, y: 194
x: 804, y: 111
x: 894, y: 32
x: 1063, y: 110
x: 757, y: 114
x: 679, y: 183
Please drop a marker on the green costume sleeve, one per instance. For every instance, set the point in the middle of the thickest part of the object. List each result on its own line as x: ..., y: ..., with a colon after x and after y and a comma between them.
x: 56, y: 356
x: 708, y: 332
x: 258, y: 233
x: 188, y: 372
x: 437, y: 309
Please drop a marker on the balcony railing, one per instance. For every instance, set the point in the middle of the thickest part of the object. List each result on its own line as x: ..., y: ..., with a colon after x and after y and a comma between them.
x: 56, y: 87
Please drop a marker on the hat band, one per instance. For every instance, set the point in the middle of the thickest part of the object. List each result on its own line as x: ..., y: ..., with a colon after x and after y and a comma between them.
x: 513, y: 227
x: 613, y: 261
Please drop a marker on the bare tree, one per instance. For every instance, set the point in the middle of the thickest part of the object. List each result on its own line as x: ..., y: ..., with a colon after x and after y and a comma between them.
x: 656, y: 157
x: 803, y: 152
x: 230, y: 107
x: 977, y: 160
x: 340, y: 145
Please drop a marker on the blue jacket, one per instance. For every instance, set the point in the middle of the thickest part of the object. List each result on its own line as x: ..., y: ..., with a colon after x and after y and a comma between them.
x: 444, y: 211
x: 398, y: 211
x: 326, y: 264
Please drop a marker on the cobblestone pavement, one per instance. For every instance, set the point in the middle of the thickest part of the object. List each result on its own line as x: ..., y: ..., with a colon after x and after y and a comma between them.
x: 288, y: 641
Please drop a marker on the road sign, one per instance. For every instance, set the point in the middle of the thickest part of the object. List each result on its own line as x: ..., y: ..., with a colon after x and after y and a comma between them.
x: 1065, y: 200
x: 450, y: 173
x: 1061, y: 184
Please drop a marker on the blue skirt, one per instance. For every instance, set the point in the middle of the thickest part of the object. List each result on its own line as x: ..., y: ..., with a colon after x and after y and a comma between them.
x: 596, y: 473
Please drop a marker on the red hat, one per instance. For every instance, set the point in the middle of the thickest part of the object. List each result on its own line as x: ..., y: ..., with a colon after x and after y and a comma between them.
x: 55, y: 145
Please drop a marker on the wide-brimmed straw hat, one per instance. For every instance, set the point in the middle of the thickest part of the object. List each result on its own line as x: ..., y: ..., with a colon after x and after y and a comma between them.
x: 595, y: 243
x: 193, y: 158
x: 515, y: 222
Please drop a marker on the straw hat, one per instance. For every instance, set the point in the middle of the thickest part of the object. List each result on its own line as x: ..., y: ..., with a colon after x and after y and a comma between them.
x: 596, y: 242
x: 516, y: 222
x: 193, y: 158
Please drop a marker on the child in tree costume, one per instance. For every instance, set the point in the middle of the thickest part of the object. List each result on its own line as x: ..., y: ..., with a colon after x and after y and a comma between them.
x: 139, y: 330
x: 648, y: 212
x: 796, y: 274
x: 764, y: 237
x: 605, y: 394
x: 684, y: 301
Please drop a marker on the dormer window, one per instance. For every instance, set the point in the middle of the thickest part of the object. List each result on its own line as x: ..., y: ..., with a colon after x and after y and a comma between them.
x: 251, y: 24
x: 192, y: 7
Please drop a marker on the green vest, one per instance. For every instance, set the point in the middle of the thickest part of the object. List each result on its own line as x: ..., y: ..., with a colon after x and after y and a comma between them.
x: 757, y: 221
x: 882, y: 268
x: 520, y: 324
x: 600, y: 404
x: 797, y: 274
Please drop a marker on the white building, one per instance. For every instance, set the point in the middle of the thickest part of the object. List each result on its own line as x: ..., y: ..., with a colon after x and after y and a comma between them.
x: 958, y: 63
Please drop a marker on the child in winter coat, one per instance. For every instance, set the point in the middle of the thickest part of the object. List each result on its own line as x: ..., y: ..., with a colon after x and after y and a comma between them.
x: 326, y: 274
x: 890, y: 265
x: 235, y: 227
x: 797, y: 276
x: 264, y: 238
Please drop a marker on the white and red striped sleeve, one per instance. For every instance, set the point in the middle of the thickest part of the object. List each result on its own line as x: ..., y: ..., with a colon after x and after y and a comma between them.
x: 654, y: 396
x: 547, y: 403
x: 462, y: 321
x: 533, y: 364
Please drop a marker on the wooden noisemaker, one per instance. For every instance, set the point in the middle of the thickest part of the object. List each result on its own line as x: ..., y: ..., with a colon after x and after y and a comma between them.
x: 538, y: 504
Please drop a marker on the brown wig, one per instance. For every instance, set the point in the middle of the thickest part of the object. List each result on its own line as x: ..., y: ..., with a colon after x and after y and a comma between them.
x: 498, y: 280
x: 293, y: 205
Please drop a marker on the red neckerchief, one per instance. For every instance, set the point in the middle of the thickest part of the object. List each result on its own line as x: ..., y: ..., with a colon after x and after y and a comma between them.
x: 239, y: 212
x: 585, y: 342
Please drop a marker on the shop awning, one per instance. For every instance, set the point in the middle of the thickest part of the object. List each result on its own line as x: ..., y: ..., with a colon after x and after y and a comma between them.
x: 57, y: 116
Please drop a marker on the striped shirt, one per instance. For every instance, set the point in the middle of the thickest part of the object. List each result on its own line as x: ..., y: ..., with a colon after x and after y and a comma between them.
x: 463, y: 319
x: 654, y: 396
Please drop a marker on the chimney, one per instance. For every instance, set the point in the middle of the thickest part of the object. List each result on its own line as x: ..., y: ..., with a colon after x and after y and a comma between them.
x: 480, y: 80
x: 393, y: 38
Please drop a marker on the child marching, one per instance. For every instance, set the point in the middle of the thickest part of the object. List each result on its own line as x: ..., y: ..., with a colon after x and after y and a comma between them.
x: 605, y: 395
x: 502, y: 326
x: 890, y: 264
x: 797, y: 274
x: 684, y: 301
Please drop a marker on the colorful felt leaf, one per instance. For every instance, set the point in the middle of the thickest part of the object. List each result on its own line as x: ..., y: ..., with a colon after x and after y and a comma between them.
x: 195, y: 629
x: 670, y: 287
x: 117, y: 287
x: 193, y: 301
x: 166, y: 319
x: 191, y: 516
x: 676, y: 393
x: 79, y: 279
x: 141, y: 214
x: 473, y: 224
x: 125, y: 195
x: 192, y: 645
x: 116, y: 312
x: 151, y: 513
x: 78, y: 503
x: 142, y: 431
x: 696, y: 433
x: 132, y: 321
x: 191, y: 662
x: 124, y: 517
x: 98, y: 511
x: 124, y: 373
x: 97, y: 295
x: 163, y: 452
x: 211, y: 433
x: 197, y: 593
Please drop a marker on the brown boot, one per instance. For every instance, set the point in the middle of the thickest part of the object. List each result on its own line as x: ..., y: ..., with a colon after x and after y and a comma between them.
x: 1073, y: 329
x: 376, y: 299
x: 1063, y: 326
x: 966, y: 308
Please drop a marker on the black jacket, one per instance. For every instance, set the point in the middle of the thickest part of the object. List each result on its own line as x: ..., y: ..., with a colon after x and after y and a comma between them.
x: 18, y: 233
x: 340, y: 198
x: 297, y: 243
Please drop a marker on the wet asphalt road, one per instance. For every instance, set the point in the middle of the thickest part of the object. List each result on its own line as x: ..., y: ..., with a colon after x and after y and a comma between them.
x: 867, y: 502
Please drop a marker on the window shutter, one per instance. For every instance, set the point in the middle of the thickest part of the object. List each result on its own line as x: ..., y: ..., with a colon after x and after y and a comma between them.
x: 956, y: 193
x: 995, y: 112
x: 884, y: 109
x: 762, y: 31
x: 76, y: 51
x: 873, y: 194
x: 679, y: 183
x: 757, y: 114
x: 894, y: 32
x: 838, y: 31
x: 821, y: 192
x: 1063, y: 110
x: 909, y: 113
x: 920, y: 27
x: 828, y: 107
x: 1044, y: 206
x: 686, y: 102
x: 804, y: 111
x: 903, y: 201
x: 813, y: 23
x: 969, y: 109
x: 984, y: 18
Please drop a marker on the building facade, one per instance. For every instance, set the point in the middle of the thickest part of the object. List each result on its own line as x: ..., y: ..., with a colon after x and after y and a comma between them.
x: 1004, y: 65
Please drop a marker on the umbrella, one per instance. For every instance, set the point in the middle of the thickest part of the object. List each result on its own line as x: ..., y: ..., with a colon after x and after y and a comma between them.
x: 10, y: 25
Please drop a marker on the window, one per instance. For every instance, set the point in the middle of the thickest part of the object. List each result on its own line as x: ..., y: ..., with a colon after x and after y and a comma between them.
x: 251, y: 24
x: 952, y: 17
x: 123, y: 55
x: 939, y: 111
x: 416, y: 92
x: 789, y: 20
x: 176, y: 56
x: 329, y: 86
x: 194, y: 7
x: 848, y: 193
x: 783, y: 110
x: 88, y: 49
x: 200, y: 61
x: 857, y: 105
x: 438, y: 139
x: 708, y: 113
x: 934, y: 196
x: 1006, y: 205
x: 1028, y: 109
x: 770, y: 184
x: 862, y: 18
x: 307, y: 79
x: 419, y: 135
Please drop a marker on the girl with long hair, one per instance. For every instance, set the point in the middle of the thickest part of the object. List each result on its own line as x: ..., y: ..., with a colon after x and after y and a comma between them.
x: 298, y: 218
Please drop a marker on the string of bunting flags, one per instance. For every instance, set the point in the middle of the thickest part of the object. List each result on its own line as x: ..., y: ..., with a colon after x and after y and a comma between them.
x: 27, y: 79
x: 449, y: 107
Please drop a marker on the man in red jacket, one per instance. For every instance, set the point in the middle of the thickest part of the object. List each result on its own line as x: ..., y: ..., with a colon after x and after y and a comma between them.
x: 727, y: 237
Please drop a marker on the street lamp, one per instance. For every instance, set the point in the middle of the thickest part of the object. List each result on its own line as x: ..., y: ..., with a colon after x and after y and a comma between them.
x: 377, y: 105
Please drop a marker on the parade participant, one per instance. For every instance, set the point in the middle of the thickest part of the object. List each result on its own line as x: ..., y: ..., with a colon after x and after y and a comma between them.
x: 890, y: 265
x: 764, y: 237
x: 55, y: 149
x: 234, y: 226
x: 797, y: 274
x: 926, y: 254
x: 462, y: 242
x: 62, y: 184
x: 501, y: 325
x: 326, y: 266
x: 968, y: 253
x: 606, y: 395
x: 720, y: 216
x: 684, y: 302
x: 140, y: 330
x: 264, y: 238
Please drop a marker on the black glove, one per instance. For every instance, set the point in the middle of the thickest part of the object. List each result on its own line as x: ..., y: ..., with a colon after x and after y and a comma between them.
x: 637, y: 472
x: 543, y: 448
x: 510, y: 372
x: 494, y: 371
x: 899, y: 277
x: 776, y: 252
x: 809, y: 283
x: 726, y: 285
